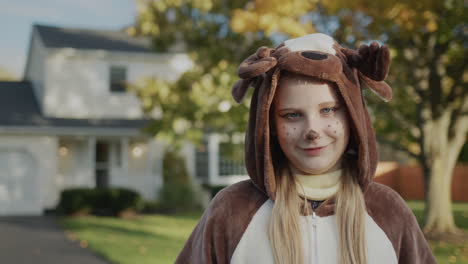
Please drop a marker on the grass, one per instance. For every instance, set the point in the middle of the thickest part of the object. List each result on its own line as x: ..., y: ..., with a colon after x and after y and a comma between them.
x: 159, y: 238
x: 446, y: 253
x: 144, y: 239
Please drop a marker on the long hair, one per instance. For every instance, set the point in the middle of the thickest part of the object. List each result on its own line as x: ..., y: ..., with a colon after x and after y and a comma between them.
x: 284, y: 229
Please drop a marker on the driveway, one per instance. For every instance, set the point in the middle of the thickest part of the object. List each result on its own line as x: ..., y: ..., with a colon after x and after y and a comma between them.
x: 39, y: 240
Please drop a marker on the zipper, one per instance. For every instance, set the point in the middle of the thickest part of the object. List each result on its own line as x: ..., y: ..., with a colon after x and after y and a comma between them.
x: 314, y: 225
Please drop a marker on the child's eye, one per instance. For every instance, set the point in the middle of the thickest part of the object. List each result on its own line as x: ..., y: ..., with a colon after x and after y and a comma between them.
x: 328, y: 110
x: 291, y: 115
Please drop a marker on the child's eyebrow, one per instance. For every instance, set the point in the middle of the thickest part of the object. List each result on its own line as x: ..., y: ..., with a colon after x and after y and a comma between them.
x: 329, y: 103
x: 289, y: 109
x: 326, y: 103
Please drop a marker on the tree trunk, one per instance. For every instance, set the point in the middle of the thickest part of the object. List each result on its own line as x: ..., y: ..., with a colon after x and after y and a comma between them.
x: 443, y: 153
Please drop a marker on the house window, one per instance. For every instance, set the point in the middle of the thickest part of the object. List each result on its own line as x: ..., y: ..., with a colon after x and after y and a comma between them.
x: 118, y: 77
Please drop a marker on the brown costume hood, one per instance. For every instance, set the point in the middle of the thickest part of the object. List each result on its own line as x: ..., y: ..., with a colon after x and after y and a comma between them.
x: 319, y: 56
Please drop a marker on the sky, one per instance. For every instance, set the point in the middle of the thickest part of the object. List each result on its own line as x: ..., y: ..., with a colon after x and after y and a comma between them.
x: 18, y: 16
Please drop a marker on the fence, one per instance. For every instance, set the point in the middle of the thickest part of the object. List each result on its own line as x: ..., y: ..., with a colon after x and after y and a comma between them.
x: 408, y: 181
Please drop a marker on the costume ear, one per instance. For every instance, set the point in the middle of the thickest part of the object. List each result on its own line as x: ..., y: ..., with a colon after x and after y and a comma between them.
x: 240, y: 87
x: 382, y: 89
x: 251, y: 70
x: 256, y: 64
x: 372, y: 61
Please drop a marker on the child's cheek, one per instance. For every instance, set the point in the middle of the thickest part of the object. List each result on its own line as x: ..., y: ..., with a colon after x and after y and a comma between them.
x: 288, y: 132
x: 334, y: 127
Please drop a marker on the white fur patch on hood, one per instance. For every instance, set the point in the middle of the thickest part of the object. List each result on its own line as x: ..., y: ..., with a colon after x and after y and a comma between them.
x: 316, y: 41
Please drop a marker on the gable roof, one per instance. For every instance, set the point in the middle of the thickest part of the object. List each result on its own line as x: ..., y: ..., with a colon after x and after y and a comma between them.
x: 19, y: 107
x: 57, y: 37
x: 17, y: 100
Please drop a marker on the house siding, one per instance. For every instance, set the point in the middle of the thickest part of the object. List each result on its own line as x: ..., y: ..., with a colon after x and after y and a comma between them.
x: 78, y: 82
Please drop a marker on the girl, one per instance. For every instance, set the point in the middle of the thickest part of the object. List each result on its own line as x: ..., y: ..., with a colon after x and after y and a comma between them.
x: 311, y: 154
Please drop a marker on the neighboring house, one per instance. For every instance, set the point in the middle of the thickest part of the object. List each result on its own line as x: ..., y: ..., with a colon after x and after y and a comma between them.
x: 71, y: 123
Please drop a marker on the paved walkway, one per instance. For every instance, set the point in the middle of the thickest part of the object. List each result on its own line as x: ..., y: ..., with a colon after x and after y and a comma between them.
x: 39, y: 240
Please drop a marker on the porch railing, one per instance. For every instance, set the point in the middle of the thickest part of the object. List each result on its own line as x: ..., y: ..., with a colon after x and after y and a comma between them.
x: 220, y: 160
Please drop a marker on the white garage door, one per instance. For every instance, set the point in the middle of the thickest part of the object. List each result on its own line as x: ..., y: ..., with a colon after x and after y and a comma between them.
x: 19, y: 184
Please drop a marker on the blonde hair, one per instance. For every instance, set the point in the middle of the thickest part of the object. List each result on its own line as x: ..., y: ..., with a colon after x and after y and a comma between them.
x: 284, y: 225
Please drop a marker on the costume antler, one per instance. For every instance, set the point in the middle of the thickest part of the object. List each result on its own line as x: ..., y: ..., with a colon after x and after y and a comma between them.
x: 251, y: 68
x: 373, y: 63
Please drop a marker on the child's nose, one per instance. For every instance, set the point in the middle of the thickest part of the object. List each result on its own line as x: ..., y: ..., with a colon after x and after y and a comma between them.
x: 312, y: 135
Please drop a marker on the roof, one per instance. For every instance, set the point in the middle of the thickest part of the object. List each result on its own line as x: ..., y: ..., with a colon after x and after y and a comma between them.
x: 89, y: 39
x: 19, y: 107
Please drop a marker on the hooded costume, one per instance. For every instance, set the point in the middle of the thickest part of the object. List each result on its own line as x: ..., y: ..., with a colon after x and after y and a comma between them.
x: 233, y: 229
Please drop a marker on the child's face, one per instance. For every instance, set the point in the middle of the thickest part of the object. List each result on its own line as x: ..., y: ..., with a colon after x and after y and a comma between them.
x: 307, y: 116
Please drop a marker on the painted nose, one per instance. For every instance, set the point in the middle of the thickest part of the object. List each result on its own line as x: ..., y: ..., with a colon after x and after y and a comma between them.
x: 312, y: 135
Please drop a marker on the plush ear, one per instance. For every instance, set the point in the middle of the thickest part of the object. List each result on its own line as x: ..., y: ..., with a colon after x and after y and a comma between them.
x: 251, y: 70
x: 256, y: 64
x: 381, y: 88
x: 372, y: 61
x: 239, y: 89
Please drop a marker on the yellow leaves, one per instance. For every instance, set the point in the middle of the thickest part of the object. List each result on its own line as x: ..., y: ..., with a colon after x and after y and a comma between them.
x: 281, y: 7
x: 159, y: 5
x: 163, y: 5
x: 402, y: 15
x: 206, y: 81
x: 431, y: 18
x: 147, y: 102
x: 83, y: 243
x: 243, y: 21
x: 131, y: 31
x: 411, y: 17
x: 142, y: 249
x: 273, y: 16
x: 414, y: 148
x: 180, y: 125
x: 224, y: 79
x: 204, y: 5
x: 223, y: 64
x: 149, y: 28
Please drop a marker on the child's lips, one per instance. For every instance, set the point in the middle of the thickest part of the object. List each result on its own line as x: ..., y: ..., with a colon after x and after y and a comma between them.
x: 314, y: 151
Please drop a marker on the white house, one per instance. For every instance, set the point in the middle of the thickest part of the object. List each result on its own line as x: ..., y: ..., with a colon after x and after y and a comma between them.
x: 71, y: 122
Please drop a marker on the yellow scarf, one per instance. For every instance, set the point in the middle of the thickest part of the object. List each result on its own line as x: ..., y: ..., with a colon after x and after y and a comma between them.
x: 318, y: 187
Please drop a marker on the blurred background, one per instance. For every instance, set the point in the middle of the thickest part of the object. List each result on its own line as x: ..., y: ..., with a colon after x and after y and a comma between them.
x: 117, y: 122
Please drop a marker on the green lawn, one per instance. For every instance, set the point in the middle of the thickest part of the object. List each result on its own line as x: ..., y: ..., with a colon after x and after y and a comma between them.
x: 145, y: 239
x: 159, y: 238
x: 447, y: 253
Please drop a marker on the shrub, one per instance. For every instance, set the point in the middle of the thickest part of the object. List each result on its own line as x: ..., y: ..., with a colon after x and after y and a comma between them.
x: 111, y: 201
x: 124, y: 199
x: 151, y: 207
x: 177, y: 193
x: 75, y: 201
x: 176, y: 197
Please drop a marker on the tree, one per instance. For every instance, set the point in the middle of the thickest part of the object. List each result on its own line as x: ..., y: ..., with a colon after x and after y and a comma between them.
x: 200, y: 101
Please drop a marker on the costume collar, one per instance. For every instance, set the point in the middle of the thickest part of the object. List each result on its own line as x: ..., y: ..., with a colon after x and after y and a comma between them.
x: 318, y: 186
